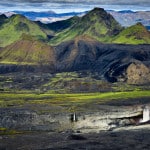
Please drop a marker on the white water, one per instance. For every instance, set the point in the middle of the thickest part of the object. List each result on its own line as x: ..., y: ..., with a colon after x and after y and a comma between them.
x: 146, y: 114
x: 74, y: 117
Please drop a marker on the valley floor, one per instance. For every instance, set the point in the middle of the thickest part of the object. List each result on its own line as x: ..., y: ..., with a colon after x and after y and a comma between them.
x: 31, y: 99
x: 123, y: 138
x: 137, y: 139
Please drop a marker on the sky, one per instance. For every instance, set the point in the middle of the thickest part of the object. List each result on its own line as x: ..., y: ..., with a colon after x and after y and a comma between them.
x: 63, y: 6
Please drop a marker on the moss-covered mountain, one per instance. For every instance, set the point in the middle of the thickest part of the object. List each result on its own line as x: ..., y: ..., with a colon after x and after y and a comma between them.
x: 136, y: 34
x: 96, y: 23
x: 13, y: 28
x: 101, y: 26
x: 27, y: 52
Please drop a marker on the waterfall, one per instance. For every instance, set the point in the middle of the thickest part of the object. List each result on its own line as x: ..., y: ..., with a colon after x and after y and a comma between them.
x: 146, y: 114
x: 74, y: 117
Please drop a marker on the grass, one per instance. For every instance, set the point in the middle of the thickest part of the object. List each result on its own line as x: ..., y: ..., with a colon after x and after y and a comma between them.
x: 68, y: 90
x: 73, y: 82
x: 19, y: 99
x: 5, y: 131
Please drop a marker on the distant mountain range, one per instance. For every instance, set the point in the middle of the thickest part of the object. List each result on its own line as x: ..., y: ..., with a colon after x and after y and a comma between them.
x: 94, y: 41
x: 128, y: 18
x: 124, y: 17
x: 45, y: 17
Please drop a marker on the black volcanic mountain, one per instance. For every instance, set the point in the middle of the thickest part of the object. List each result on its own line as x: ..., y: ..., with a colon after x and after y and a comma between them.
x: 110, y: 60
x: 82, y: 53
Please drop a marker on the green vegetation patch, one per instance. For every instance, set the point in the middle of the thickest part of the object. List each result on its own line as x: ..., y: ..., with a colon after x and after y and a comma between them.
x: 17, y: 99
x: 5, y: 131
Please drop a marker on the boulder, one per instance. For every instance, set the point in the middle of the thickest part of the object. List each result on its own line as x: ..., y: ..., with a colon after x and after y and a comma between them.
x: 138, y: 73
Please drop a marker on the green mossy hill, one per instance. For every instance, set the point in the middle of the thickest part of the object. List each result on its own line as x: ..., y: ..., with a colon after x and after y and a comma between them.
x: 136, y: 34
x: 96, y: 23
x: 27, y: 51
x: 12, y: 29
x: 68, y: 100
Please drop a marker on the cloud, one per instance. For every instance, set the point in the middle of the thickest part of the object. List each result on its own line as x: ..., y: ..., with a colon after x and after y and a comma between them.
x: 72, y: 5
x: 115, y: 2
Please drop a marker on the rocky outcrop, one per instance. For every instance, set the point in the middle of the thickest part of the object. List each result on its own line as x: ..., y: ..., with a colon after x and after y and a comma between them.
x: 138, y: 73
x: 108, y: 119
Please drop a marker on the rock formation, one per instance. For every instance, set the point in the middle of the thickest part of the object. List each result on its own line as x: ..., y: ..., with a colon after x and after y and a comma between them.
x: 138, y: 73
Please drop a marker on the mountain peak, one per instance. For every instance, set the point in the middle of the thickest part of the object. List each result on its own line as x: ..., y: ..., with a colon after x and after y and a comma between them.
x: 17, y: 16
x: 139, y: 27
x: 97, y: 9
x: 99, y: 12
x: 26, y: 51
x: 139, y: 24
x: 3, y: 17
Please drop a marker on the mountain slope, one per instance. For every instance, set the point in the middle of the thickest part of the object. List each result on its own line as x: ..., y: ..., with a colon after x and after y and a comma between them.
x: 64, y: 24
x: 136, y: 34
x: 110, y: 60
x: 27, y: 52
x: 58, y: 26
x: 96, y: 23
x: 101, y: 26
x: 15, y: 26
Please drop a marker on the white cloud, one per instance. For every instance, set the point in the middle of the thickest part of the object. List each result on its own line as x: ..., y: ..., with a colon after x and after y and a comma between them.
x: 62, y: 6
